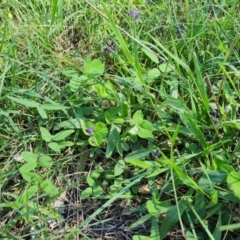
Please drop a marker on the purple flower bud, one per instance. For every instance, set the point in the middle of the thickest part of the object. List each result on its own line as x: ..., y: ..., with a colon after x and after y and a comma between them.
x: 133, y: 13
x: 90, y: 130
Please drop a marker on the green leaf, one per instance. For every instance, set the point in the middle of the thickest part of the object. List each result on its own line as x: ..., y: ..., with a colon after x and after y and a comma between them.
x: 151, y: 208
x: 27, y: 167
x: 145, y: 129
x: 233, y: 180
x: 75, y: 82
x: 94, y: 67
x: 49, y: 187
x: 50, y: 106
x: 140, y: 221
x: 45, y: 161
x: 54, y: 146
x: 65, y: 144
x: 138, y: 154
x: 29, y: 157
x: 75, y: 123
x: 119, y: 168
x: 46, y: 135
x: 124, y: 109
x: 62, y: 135
x: 25, y: 102
x: 95, y: 140
x: 176, y: 104
x: 212, y: 178
x: 172, y: 218
x: 166, y: 67
x: 108, y: 117
x: 70, y: 73
x: 113, y: 139
x: 30, y: 177
x: 152, y: 56
x: 143, y: 164
x: 90, y: 181
x: 31, y: 191
x: 101, y: 129
x: 86, y: 193
x: 138, y: 117
x: 42, y: 112
x: 152, y: 74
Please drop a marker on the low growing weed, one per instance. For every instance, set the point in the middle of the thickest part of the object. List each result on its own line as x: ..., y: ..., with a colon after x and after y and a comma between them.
x: 119, y: 118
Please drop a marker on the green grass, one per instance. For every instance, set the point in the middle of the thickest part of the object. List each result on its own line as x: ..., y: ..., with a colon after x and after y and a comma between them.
x: 120, y: 128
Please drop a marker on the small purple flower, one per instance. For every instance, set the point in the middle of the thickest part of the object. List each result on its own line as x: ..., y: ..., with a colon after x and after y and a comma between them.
x: 154, y: 155
x: 90, y: 130
x: 134, y: 13
x: 214, y: 113
x: 157, y: 154
x: 110, y: 47
x: 151, y: 156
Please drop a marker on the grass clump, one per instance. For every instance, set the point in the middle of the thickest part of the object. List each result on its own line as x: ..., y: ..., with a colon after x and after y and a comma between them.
x: 119, y: 120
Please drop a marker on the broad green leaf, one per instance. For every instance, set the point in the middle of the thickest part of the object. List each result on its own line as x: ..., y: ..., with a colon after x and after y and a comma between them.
x: 112, y: 141
x: 233, y: 180
x: 54, y: 146
x: 108, y: 117
x: 166, y: 67
x: 42, y: 112
x: 119, y: 168
x: 31, y: 191
x: 65, y: 144
x: 138, y: 117
x: 176, y: 104
x: 75, y: 82
x: 93, y: 67
x: 152, y: 56
x: 101, y: 129
x: 45, y: 161
x: 27, y: 167
x: 95, y: 140
x: 62, y: 135
x: 46, y: 135
x: 138, y: 154
x: 90, y: 181
x: 30, y: 177
x: 152, y: 74
x: 97, y: 191
x: 134, y: 130
x: 145, y: 129
x: 50, y: 106
x: 25, y: 102
x: 49, y: 187
x: 86, y: 193
x: 215, y: 177
x: 75, y: 123
x: 151, y: 208
x: 70, y: 73
x: 29, y: 157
